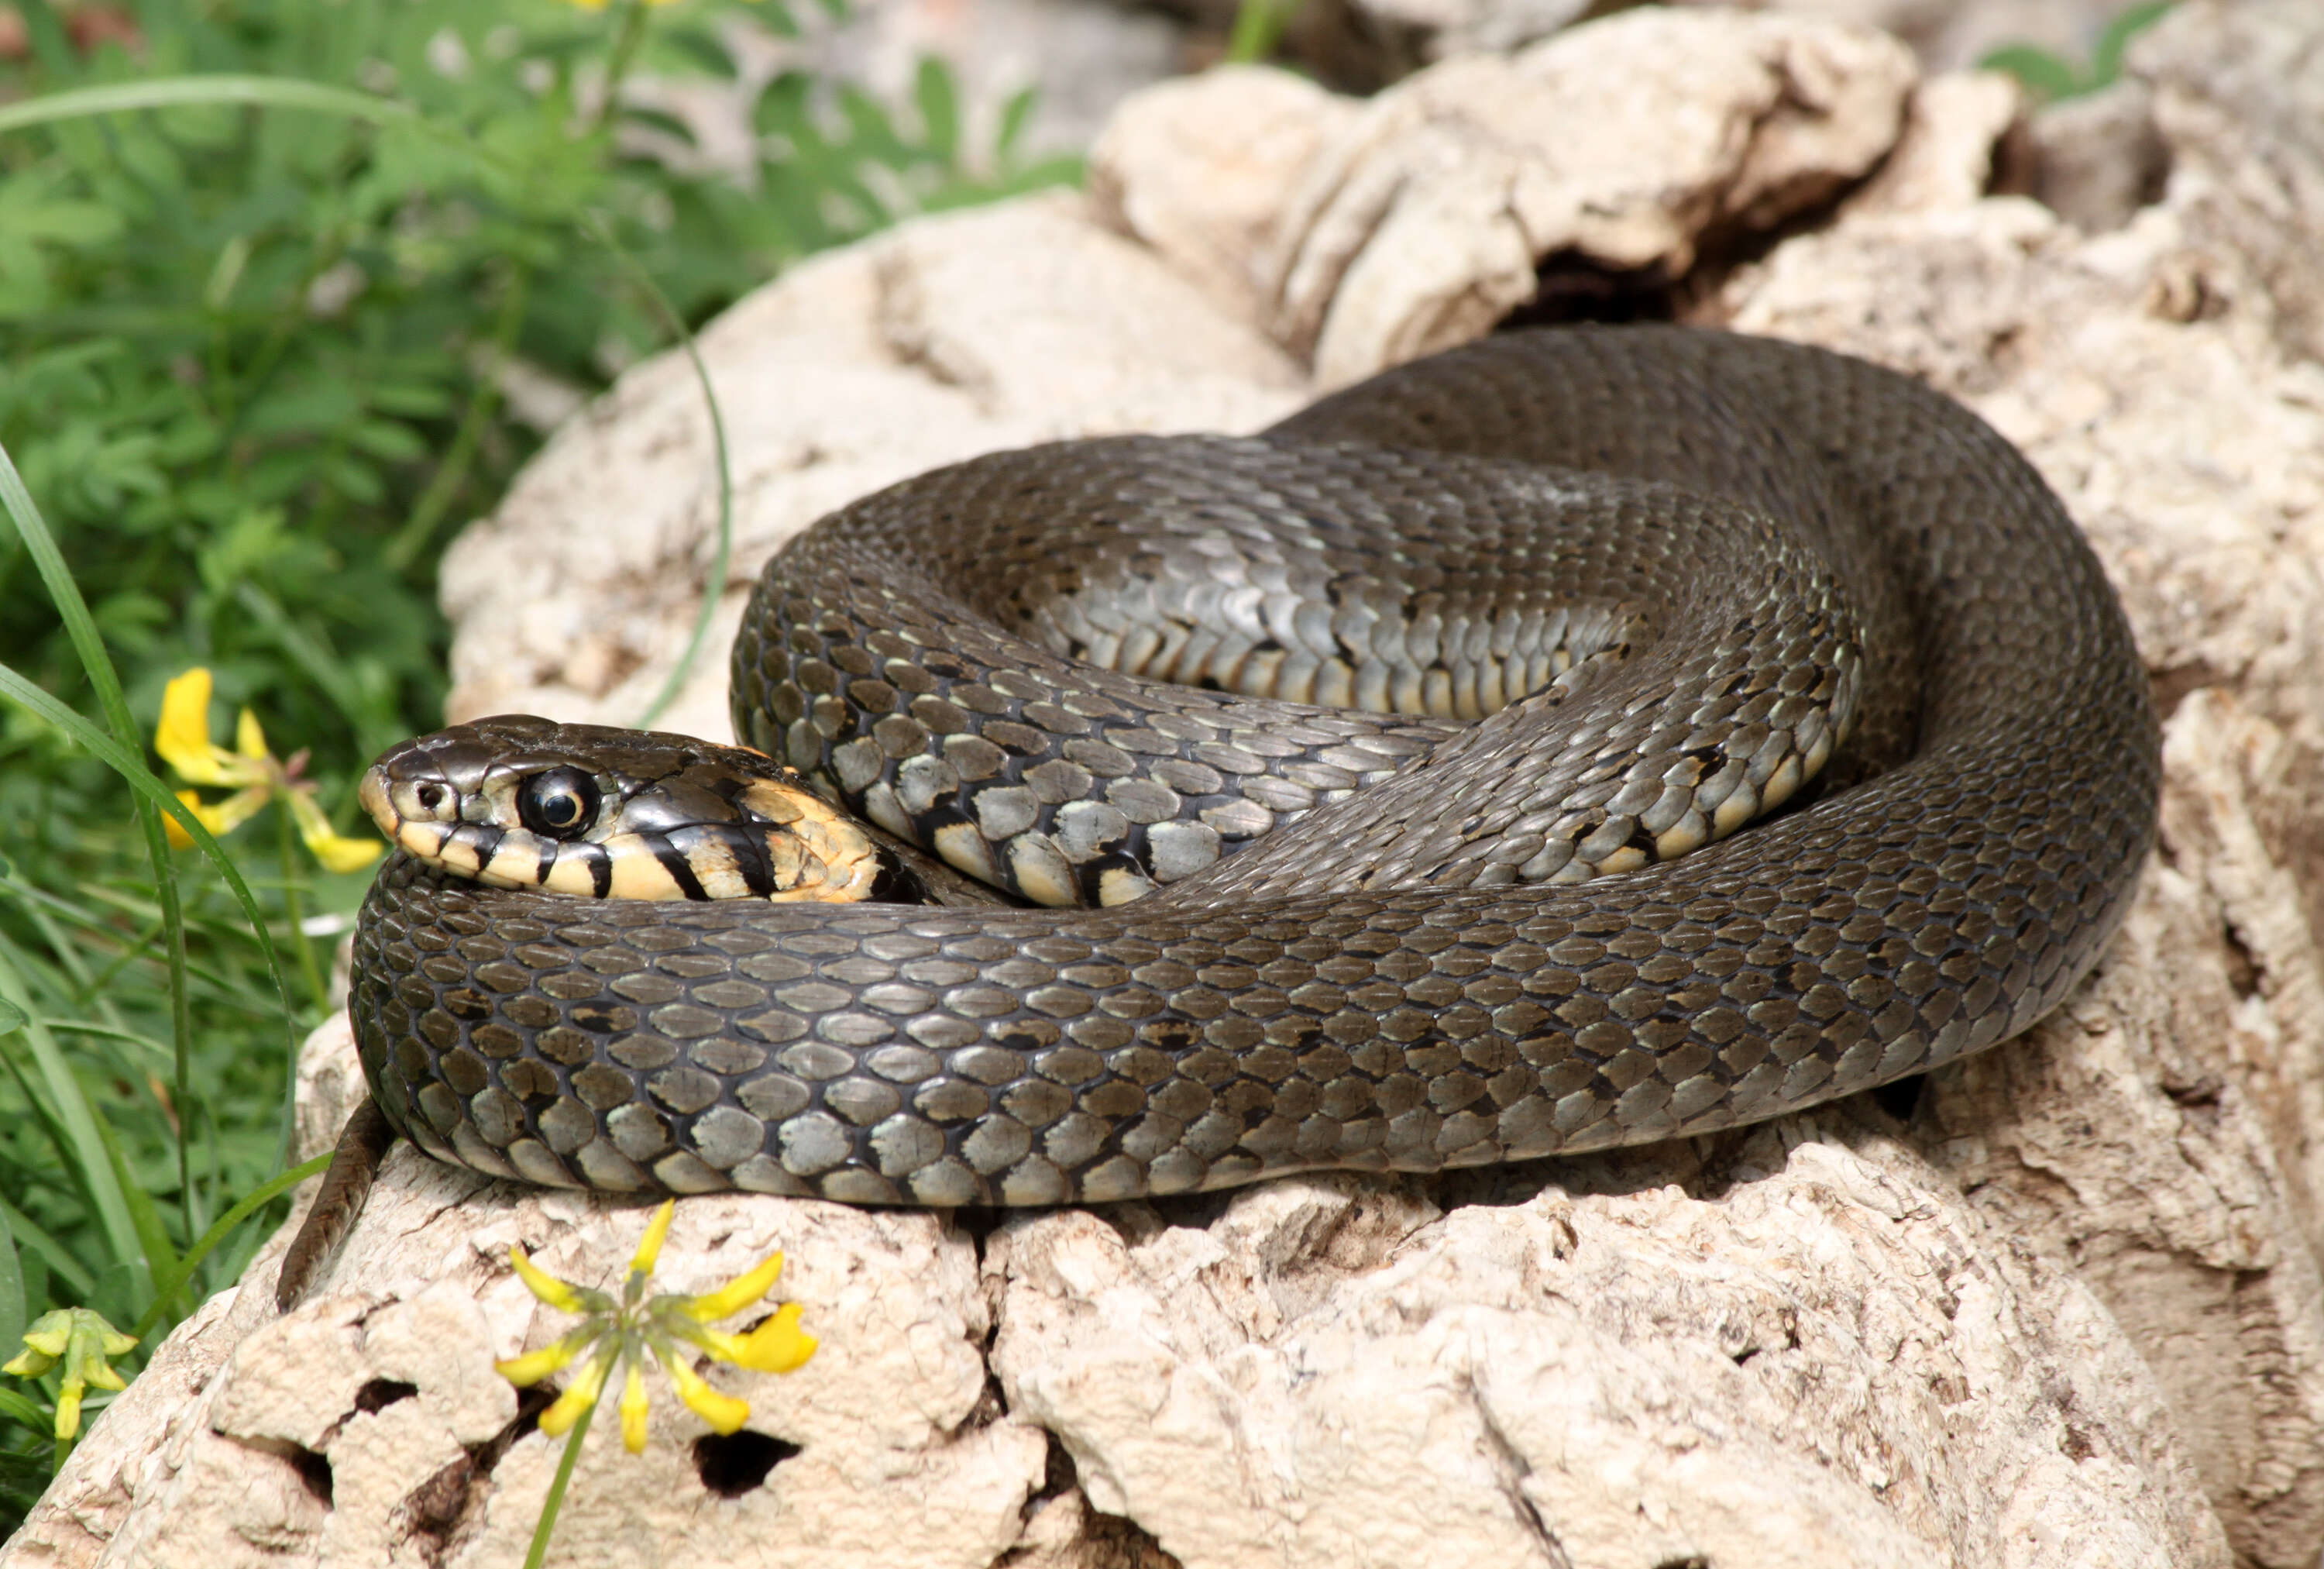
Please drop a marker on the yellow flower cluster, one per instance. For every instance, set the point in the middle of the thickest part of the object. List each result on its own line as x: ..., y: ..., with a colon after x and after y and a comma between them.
x: 82, y: 1341
x: 619, y: 1336
x: 254, y: 774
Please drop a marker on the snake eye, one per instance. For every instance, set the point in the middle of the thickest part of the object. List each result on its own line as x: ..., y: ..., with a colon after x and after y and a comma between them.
x: 558, y: 804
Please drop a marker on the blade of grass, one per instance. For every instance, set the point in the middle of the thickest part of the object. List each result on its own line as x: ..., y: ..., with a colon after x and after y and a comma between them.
x: 111, y: 1032
x: 312, y: 658
x: 65, y: 594
x: 12, y: 1309
x: 169, y: 92
x: 257, y: 1199
x: 1258, y: 26
x: 161, y: 1258
x: 84, y: 1147
x: 16, y: 1407
x: 63, y: 1264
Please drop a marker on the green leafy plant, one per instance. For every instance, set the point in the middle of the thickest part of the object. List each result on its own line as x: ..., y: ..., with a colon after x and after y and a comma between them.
x: 2051, y: 76
x: 262, y: 263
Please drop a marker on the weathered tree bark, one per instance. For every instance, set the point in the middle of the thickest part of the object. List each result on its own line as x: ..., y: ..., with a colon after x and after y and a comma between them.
x: 2064, y: 1308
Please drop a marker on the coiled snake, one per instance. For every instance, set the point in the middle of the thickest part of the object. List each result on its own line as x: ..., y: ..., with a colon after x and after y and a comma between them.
x: 1625, y: 588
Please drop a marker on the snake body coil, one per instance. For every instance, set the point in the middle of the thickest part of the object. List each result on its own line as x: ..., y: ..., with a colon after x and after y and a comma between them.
x: 1677, y: 580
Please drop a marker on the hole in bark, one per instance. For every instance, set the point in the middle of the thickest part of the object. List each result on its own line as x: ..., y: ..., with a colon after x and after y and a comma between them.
x: 2202, y: 1094
x: 530, y: 1404
x: 381, y: 1393
x: 437, y: 1514
x: 1692, y: 1561
x: 1056, y: 1477
x: 1570, y: 287
x: 442, y: 1512
x: 314, y: 1472
x: 989, y: 1407
x: 1107, y: 1541
x: 2075, y: 1444
x: 737, y: 1462
x: 2242, y: 969
x: 435, y: 1506
x: 1900, y: 1098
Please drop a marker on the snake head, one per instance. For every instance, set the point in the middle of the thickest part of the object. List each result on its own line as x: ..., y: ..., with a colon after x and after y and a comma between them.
x: 518, y: 802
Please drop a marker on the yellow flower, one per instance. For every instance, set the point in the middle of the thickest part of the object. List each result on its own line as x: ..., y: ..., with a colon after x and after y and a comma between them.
x: 254, y: 773
x: 621, y: 1334
x: 82, y: 1341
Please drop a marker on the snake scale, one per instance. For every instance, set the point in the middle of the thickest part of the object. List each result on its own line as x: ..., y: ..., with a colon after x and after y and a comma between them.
x: 1373, y: 785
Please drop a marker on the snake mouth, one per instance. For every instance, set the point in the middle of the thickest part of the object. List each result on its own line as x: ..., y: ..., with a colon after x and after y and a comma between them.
x: 519, y: 802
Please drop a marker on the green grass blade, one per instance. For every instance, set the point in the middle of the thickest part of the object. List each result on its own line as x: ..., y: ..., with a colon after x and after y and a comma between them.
x: 12, y: 1309
x: 171, y: 92
x: 160, y: 1258
x: 60, y: 1263
x: 17, y: 1408
x: 84, y: 1145
x: 109, y: 1031
x: 2105, y: 58
x: 257, y: 1199
x: 2042, y: 73
x: 315, y: 661
x: 65, y: 594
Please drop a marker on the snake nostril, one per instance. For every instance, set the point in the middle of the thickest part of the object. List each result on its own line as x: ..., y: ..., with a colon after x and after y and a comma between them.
x: 431, y: 796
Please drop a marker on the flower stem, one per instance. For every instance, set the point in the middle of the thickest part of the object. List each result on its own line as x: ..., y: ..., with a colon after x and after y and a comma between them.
x: 556, y: 1499
x: 617, y: 62
x: 295, y: 913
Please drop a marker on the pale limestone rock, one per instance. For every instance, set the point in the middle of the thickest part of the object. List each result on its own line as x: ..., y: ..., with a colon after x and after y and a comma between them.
x: 1198, y: 170
x: 1944, y: 158
x: 2240, y: 99
x: 1606, y: 1367
x: 1619, y: 145
x: 2069, y: 1313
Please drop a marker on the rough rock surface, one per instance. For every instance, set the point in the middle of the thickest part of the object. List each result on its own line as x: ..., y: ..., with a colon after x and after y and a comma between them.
x: 2067, y: 1311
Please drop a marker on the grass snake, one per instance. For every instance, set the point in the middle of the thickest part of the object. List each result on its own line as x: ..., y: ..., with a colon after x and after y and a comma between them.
x: 1370, y: 787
